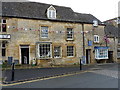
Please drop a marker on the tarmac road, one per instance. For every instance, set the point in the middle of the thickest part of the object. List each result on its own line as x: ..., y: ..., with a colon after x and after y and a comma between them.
x: 105, y: 77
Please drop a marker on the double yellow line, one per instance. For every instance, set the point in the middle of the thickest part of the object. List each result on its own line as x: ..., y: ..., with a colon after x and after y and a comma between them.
x: 44, y: 78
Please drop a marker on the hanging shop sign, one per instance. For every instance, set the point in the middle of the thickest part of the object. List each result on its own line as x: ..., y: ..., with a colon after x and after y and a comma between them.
x: 5, y: 36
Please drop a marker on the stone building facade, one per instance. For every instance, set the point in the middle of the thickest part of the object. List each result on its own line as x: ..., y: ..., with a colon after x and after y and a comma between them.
x: 112, y: 33
x: 50, y: 35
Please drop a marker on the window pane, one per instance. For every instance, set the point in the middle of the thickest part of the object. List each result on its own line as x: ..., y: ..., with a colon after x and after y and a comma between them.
x: 101, y: 54
x: 70, y: 51
x: 96, y: 38
x: 44, y: 51
x: 4, y: 21
x: 44, y: 32
x: 69, y: 33
x: 3, y: 52
x: 57, y: 51
x: 4, y: 27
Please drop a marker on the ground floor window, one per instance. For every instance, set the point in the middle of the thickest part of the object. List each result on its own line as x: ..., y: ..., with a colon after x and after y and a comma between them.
x: 45, y: 50
x: 101, y: 53
x: 57, y: 51
x: 70, y: 51
x: 3, y: 49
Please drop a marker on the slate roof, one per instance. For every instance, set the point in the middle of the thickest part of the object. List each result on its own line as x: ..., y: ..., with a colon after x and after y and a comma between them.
x: 111, y: 31
x: 87, y: 18
x: 36, y: 10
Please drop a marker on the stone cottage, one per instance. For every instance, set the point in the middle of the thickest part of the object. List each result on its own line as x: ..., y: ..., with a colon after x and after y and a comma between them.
x: 112, y: 32
x: 50, y: 34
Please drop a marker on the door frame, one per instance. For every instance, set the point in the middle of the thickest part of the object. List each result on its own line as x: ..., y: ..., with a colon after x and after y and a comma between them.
x: 23, y: 46
x: 88, y: 51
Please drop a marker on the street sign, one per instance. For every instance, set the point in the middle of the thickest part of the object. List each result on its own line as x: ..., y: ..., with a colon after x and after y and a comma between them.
x: 5, y: 36
x: 10, y: 60
x: 83, y: 61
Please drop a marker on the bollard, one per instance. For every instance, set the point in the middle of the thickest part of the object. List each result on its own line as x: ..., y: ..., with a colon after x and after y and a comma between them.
x: 13, y: 71
x: 80, y: 65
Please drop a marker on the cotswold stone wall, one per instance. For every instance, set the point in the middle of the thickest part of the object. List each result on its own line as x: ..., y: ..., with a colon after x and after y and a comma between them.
x: 28, y: 32
x: 90, y: 31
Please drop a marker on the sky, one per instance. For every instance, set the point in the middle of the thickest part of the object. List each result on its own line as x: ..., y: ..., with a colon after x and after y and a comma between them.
x: 101, y: 9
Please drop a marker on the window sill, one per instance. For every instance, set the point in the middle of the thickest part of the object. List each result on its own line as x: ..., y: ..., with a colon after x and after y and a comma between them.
x: 44, y: 37
x: 70, y: 56
x: 57, y: 57
x: 97, y: 42
x: 69, y: 39
x: 101, y: 58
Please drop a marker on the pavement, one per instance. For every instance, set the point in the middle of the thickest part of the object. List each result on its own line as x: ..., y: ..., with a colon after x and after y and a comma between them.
x: 22, y: 75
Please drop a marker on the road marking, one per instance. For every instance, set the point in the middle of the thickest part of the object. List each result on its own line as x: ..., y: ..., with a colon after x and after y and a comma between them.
x: 45, y: 78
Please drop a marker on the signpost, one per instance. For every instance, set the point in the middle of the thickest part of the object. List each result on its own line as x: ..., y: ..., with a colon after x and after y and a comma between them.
x: 80, y: 64
x: 13, y: 71
x: 11, y: 62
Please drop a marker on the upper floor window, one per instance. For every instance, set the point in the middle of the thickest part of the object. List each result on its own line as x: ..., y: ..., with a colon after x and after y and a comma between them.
x: 51, y: 12
x: 3, y: 25
x: 95, y: 23
x: 96, y: 39
x: 44, y: 32
x: 69, y: 33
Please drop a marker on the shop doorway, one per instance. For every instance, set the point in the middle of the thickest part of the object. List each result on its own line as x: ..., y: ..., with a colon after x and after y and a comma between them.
x: 110, y: 55
x: 25, y: 54
x: 88, y: 56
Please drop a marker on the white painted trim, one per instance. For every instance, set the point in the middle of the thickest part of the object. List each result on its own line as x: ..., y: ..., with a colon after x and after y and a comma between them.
x: 97, y: 56
x: 29, y: 55
x: 24, y: 46
x: 38, y: 53
x: 54, y: 10
x: 20, y: 62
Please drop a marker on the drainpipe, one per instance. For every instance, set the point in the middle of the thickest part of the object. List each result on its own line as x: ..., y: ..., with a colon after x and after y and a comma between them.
x: 83, y: 39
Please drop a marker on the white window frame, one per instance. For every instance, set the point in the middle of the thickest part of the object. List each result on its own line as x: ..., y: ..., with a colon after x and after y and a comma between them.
x: 70, y: 52
x: 96, y: 39
x: 51, y: 12
x: 44, y: 33
x: 60, y: 52
x: 95, y: 23
x: 70, y: 33
x: 101, y: 53
x: 45, y: 56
